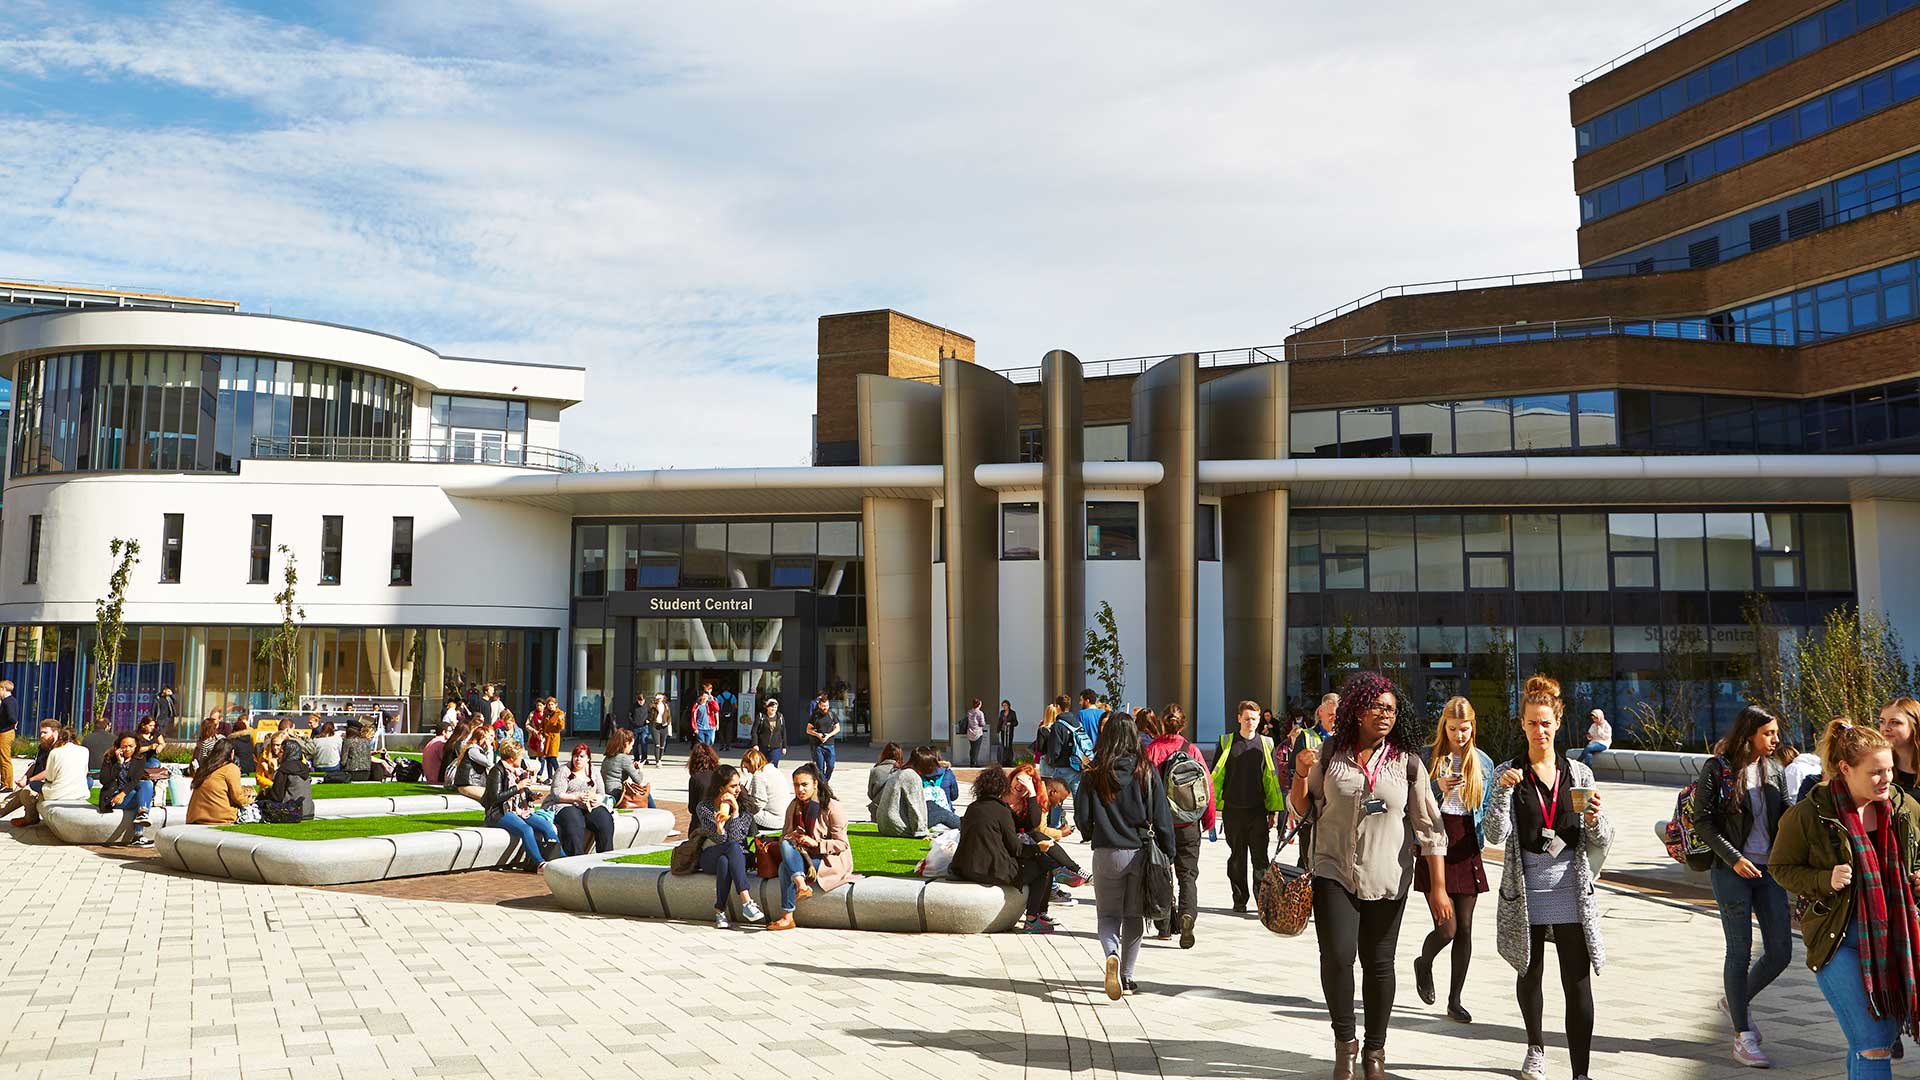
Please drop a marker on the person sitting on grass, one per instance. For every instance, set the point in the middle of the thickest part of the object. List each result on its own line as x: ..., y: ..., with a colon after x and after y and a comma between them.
x: 292, y: 774
x: 926, y: 761
x: 356, y: 754
x: 218, y: 793
x: 327, y: 741
x: 579, y: 804
x: 724, y: 819
x: 814, y: 852
x: 990, y: 852
x: 896, y: 797
x: 125, y: 789
x: 508, y: 802
x: 891, y: 758
x: 770, y: 789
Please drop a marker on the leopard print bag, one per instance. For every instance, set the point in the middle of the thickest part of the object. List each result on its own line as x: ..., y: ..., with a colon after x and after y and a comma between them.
x: 1285, y: 893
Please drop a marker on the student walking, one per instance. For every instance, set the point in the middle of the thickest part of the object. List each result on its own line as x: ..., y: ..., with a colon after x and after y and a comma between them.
x: 770, y: 732
x: 1850, y: 849
x: 1556, y: 838
x: 660, y: 726
x: 1374, y: 810
x: 822, y: 730
x: 1126, y: 810
x: 1306, y: 750
x: 1166, y: 751
x: 1246, y: 787
x: 1738, y: 801
x: 1463, y: 782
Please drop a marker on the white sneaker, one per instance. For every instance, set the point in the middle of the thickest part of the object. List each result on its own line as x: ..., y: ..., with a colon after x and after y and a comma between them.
x: 1746, y: 1051
x: 1534, y: 1065
x: 751, y: 912
x: 721, y: 922
x: 1753, y: 1029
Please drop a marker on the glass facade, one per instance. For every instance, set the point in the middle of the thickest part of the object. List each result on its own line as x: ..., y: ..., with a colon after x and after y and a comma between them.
x: 1881, y: 90
x: 223, y: 667
x: 1624, y: 606
x: 102, y: 411
x: 1102, y: 442
x: 490, y: 431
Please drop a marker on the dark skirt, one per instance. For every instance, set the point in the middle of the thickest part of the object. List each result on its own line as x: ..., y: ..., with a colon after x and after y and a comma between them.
x: 1466, y: 874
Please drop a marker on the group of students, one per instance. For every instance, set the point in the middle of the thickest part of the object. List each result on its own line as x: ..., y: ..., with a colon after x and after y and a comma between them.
x: 540, y: 735
x: 61, y: 773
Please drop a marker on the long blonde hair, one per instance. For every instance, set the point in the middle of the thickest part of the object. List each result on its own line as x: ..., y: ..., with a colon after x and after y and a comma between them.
x: 1473, y: 785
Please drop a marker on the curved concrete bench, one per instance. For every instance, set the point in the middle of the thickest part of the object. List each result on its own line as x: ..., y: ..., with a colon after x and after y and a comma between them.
x: 1649, y: 766
x: 277, y: 860
x: 887, y: 904
x: 83, y: 823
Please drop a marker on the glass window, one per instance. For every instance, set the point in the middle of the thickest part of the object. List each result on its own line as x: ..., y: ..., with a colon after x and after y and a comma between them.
x: 749, y: 555
x: 1597, y: 425
x: 1633, y: 571
x: 1390, y: 553
x: 1426, y: 429
x: 1484, y: 426
x: 1106, y: 442
x: 171, y: 527
x: 1730, y: 552
x: 1442, y: 566
x: 1020, y: 530
x: 1630, y: 532
x: 260, y: 549
x: 330, y: 541
x: 1343, y: 550
x: 1682, y: 557
x: 1829, y: 554
x: 1536, y: 552
x: 1314, y: 434
x: 1303, y: 554
x: 1366, y: 433
x: 1486, y: 571
x: 1583, y: 552
x: 1677, y: 422
x: 1542, y: 422
x: 1206, y: 528
x: 1113, y: 530
x: 1486, y: 532
x: 793, y: 538
x: 402, y: 568
x: 703, y: 564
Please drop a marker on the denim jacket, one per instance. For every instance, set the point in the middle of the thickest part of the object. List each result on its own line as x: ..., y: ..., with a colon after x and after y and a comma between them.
x: 1489, y: 781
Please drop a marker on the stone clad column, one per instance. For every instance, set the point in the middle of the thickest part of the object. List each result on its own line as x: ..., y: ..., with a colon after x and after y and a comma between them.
x: 979, y: 425
x: 1243, y: 416
x: 1063, y: 442
x: 899, y: 424
x: 1166, y: 429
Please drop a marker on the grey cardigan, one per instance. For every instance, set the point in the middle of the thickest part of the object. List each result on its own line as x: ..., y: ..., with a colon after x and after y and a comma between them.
x: 1514, y: 936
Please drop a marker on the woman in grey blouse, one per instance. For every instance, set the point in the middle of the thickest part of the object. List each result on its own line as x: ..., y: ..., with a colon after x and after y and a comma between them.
x: 1374, y: 810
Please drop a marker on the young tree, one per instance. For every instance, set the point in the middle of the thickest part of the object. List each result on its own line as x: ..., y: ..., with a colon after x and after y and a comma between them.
x: 280, y: 649
x: 1103, y: 659
x: 1851, y: 666
x: 107, y: 627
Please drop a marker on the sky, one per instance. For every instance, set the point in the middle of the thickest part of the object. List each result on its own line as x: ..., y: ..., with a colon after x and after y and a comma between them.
x: 670, y: 194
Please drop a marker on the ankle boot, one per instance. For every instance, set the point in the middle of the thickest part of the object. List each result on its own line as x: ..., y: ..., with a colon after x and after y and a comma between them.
x: 1343, y: 1055
x: 1374, y: 1063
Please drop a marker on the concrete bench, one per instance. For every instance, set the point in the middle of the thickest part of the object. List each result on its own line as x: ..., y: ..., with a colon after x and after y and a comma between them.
x: 278, y: 860
x: 83, y: 823
x: 887, y: 904
x: 1649, y: 767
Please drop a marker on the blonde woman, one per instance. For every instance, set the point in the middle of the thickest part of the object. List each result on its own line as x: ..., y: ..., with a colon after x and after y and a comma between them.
x: 1900, y: 723
x: 1463, y: 783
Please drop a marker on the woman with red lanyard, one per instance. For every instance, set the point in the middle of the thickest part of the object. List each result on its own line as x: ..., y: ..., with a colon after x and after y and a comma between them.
x: 1548, y: 815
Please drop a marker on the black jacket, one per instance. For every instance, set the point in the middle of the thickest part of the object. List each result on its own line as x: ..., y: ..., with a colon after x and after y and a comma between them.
x: 770, y: 733
x: 119, y: 779
x: 9, y: 714
x: 1724, y: 822
x: 989, y: 851
x: 293, y: 778
x: 1122, y: 823
x: 242, y: 743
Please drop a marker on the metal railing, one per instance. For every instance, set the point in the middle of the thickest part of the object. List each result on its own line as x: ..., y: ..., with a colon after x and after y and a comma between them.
x: 1658, y: 40
x: 1134, y: 365
x: 1689, y: 329
x: 438, y: 452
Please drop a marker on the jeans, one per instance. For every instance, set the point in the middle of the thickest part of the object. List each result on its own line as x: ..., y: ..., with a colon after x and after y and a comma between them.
x: 1585, y: 756
x: 1368, y: 930
x: 550, y: 768
x: 1840, y: 981
x: 1071, y: 778
x: 792, y: 861
x: 704, y: 734
x: 1186, y: 874
x: 823, y: 760
x: 775, y: 754
x: 728, y: 864
x: 940, y: 815
x: 645, y: 735
x: 574, y: 824
x: 529, y: 831
x: 1741, y: 900
x: 1247, y: 841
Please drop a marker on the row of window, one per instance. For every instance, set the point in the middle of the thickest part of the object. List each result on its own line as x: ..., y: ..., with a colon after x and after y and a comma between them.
x: 473, y: 429
x: 1744, y: 65
x: 259, y: 549
x: 1532, y: 423
x: 1885, y: 186
x: 1113, y: 531
x: 1878, y: 91
x: 191, y: 411
x: 820, y: 555
x: 1736, y: 551
x: 1102, y: 442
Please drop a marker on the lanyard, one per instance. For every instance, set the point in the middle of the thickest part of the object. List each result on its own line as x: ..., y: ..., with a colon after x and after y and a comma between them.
x: 1550, y: 810
x: 1372, y: 772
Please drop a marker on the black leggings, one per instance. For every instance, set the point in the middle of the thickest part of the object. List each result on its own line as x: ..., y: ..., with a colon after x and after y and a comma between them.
x: 1365, y: 929
x: 574, y: 824
x: 1460, y: 932
x: 1576, y: 977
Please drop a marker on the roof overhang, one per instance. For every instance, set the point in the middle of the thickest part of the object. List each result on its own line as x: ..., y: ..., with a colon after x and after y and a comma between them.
x: 794, y: 490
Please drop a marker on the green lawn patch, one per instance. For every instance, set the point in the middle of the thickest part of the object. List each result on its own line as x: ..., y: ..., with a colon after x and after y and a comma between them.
x: 873, y: 855
x: 380, y: 788
x: 341, y: 828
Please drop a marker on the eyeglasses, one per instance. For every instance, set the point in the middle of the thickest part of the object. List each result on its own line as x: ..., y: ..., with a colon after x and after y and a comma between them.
x: 1382, y: 710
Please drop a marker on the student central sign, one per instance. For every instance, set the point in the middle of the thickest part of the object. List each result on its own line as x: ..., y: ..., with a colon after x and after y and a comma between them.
x: 688, y: 605
x: 699, y: 603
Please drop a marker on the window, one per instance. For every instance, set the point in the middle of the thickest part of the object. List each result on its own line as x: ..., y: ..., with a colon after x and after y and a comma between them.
x: 260, y: 549
x: 1019, y: 531
x: 1390, y: 553
x: 939, y: 534
x: 33, y: 550
x: 1483, y: 427
x: 1426, y: 429
x: 590, y: 561
x: 1303, y: 554
x: 1206, y: 530
x: 172, y: 526
x: 1682, y: 559
x: 1031, y: 445
x: 476, y: 429
x: 401, y: 572
x: 1542, y: 422
x: 1343, y: 551
x: 330, y: 529
x: 1597, y: 424
x: 1113, y: 530
x: 1105, y: 442
x: 1366, y: 433
x: 1313, y: 434
x: 1442, y: 565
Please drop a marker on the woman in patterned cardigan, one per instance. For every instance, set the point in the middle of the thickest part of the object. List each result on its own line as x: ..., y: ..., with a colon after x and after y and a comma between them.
x: 1554, y: 850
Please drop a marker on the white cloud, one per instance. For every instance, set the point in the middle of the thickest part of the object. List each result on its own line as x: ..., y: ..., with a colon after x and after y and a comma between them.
x: 669, y: 194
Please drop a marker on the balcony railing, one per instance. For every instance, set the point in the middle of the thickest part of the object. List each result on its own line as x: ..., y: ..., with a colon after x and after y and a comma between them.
x: 1687, y: 329
x: 441, y: 452
x: 1134, y: 365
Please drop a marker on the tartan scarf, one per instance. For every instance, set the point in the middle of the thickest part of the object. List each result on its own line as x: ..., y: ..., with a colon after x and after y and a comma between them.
x: 1883, y: 915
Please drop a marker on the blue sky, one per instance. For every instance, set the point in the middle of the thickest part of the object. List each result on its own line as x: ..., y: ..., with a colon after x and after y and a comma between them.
x: 670, y: 194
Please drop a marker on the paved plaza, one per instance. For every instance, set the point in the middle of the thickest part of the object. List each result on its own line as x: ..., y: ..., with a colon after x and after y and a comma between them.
x: 118, y: 968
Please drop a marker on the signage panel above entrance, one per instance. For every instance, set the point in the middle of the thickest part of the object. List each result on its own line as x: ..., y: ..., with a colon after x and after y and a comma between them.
x: 699, y: 603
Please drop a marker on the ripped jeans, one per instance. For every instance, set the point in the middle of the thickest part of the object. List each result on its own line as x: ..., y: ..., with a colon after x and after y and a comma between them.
x: 1840, y: 982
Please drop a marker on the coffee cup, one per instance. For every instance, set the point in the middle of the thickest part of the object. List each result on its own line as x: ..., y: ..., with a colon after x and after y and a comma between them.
x: 1580, y: 797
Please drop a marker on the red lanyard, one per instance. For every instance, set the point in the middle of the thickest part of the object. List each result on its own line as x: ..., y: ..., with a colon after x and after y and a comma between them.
x: 1551, y: 810
x: 1373, y: 773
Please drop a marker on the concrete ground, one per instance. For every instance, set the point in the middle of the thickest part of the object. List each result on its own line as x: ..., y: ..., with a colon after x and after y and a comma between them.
x: 116, y: 967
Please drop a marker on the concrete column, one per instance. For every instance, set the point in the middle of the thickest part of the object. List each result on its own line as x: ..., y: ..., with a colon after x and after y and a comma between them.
x: 1063, y: 440
x: 1886, y: 560
x: 1166, y: 429
x: 899, y: 425
x: 979, y: 425
x: 1243, y: 416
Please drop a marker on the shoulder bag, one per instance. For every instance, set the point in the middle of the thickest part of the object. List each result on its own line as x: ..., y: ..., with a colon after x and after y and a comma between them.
x: 765, y: 852
x: 1156, y: 884
x: 1285, y: 894
x: 686, y: 856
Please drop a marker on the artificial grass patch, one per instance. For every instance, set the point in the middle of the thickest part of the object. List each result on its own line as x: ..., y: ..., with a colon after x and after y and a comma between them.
x: 380, y: 788
x: 873, y: 855
x: 342, y: 828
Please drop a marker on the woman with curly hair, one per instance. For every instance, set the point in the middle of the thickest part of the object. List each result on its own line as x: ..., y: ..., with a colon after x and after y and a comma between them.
x: 701, y: 761
x: 1374, y: 811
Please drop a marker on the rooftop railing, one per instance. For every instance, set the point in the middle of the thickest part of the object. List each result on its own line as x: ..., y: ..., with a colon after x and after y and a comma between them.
x: 436, y: 452
x: 1658, y: 40
x: 1689, y: 329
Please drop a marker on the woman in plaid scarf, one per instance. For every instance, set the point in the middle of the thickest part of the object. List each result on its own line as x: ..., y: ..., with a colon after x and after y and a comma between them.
x: 1850, y: 851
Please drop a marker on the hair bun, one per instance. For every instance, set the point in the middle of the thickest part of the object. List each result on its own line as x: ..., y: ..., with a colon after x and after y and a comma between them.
x: 1543, y: 684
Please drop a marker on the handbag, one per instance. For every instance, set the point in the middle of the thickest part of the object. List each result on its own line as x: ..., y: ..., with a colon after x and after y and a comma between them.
x: 1285, y: 893
x: 1156, y: 887
x: 631, y: 797
x: 281, y: 811
x: 686, y: 856
x: 766, y: 856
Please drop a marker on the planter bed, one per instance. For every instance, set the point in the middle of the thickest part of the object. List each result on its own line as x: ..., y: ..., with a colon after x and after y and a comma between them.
x: 83, y: 823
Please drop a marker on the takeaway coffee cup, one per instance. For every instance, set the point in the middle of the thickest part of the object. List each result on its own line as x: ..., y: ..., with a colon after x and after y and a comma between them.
x: 1580, y: 797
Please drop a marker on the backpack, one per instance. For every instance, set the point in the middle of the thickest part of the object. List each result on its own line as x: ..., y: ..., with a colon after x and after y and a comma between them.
x: 1684, y: 843
x: 1188, y: 786
x: 1082, y: 744
x: 1061, y: 745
